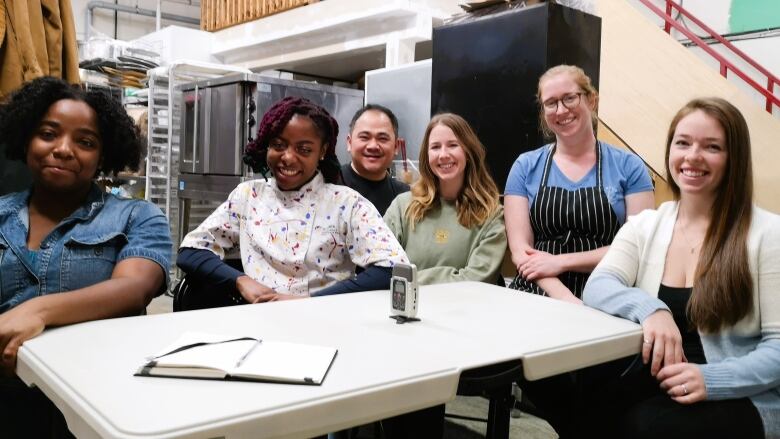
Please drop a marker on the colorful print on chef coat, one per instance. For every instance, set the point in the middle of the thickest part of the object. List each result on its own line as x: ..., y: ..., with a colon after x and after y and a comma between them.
x: 297, y: 242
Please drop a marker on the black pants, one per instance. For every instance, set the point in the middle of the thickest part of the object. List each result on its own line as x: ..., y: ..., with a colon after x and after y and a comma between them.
x: 26, y: 413
x: 423, y: 424
x: 662, y: 417
x: 621, y: 399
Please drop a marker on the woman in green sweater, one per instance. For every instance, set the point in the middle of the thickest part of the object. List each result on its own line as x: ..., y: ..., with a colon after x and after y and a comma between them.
x: 451, y: 223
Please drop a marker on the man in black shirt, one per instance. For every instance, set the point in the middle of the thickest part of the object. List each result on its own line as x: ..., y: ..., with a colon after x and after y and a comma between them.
x: 373, y: 143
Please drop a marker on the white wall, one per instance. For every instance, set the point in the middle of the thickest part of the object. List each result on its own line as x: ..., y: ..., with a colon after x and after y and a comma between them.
x: 762, y: 50
x: 714, y: 13
x: 129, y: 26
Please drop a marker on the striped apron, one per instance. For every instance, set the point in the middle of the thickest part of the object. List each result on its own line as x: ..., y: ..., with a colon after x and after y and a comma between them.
x: 565, y: 221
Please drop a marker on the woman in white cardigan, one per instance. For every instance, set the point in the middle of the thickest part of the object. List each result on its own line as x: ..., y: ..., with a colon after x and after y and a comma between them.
x: 701, y: 275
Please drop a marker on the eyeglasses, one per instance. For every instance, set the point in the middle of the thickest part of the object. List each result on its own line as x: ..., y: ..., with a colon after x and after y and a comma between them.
x: 569, y: 101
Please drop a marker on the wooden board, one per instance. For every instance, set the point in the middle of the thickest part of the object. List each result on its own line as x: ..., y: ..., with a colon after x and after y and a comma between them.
x: 219, y: 14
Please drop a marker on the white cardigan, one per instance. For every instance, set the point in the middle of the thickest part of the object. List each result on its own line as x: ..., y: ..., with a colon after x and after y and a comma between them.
x: 743, y: 360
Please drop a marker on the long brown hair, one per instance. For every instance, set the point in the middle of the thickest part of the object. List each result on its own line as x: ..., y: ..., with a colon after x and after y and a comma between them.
x: 723, y: 288
x: 478, y: 199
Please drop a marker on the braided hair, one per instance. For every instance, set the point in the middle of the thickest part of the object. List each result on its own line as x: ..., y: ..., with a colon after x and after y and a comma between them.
x: 276, y: 119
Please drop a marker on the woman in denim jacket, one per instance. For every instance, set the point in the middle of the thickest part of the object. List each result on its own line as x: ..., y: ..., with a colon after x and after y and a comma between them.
x: 103, y: 256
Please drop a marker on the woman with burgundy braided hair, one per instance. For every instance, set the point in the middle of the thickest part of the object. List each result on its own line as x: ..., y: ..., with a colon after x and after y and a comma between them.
x: 298, y: 234
x: 274, y: 123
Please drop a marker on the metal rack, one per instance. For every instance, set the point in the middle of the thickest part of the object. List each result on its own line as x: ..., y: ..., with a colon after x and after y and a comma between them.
x: 162, y: 164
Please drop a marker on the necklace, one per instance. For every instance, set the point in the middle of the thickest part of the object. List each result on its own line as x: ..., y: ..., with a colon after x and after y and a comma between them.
x: 687, y: 241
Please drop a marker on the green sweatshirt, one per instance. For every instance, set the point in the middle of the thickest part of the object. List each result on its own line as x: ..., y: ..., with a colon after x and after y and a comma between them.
x: 444, y: 250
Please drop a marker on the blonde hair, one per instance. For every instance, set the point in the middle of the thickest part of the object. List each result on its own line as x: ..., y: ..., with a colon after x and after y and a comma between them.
x: 477, y: 200
x: 583, y: 82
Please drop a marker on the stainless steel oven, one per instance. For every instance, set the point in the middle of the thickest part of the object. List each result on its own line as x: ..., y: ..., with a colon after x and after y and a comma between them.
x: 216, y: 123
x: 220, y: 117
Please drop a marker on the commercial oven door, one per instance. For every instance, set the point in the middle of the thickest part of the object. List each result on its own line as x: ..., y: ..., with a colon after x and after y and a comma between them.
x: 224, y: 145
x: 194, y: 128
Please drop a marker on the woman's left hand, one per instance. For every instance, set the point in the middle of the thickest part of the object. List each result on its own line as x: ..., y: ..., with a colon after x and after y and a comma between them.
x: 540, y: 265
x: 17, y: 326
x: 684, y: 382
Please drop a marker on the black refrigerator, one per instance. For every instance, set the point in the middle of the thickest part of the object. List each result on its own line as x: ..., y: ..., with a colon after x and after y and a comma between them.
x: 486, y: 69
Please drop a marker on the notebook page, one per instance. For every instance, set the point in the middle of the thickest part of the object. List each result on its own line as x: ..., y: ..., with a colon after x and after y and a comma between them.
x: 222, y: 356
x: 283, y: 361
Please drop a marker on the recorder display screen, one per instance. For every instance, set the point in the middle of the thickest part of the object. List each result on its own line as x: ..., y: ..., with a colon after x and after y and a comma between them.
x: 399, y: 294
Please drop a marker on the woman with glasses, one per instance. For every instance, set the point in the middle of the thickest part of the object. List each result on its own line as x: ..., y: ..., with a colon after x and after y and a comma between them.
x: 563, y: 205
x: 565, y: 201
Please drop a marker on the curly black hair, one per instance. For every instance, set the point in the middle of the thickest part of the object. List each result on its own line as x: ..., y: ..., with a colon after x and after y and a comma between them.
x: 21, y: 114
x: 273, y: 123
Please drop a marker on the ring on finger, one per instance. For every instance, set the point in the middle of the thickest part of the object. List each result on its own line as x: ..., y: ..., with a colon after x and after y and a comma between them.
x: 648, y: 341
x: 684, y: 389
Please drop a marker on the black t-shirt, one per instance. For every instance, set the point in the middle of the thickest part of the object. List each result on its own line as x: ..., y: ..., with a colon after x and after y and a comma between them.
x: 677, y: 300
x: 380, y: 193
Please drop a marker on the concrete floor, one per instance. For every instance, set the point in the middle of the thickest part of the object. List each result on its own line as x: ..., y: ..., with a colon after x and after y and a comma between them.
x: 522, y: 425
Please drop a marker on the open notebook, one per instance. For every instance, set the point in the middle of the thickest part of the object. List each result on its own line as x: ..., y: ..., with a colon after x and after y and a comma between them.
x: 212, y: 356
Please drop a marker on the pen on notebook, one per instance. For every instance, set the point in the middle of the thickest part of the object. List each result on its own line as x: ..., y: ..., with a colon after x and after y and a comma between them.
x: 248, y: 353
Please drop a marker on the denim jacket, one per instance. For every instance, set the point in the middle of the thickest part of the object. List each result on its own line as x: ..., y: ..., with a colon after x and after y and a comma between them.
x: 81, y: 250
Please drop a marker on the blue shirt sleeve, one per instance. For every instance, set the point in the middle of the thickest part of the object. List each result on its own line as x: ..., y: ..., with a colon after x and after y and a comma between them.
x: 149, y: 237
x: 624, y: 174
x: 526, y: 174
x: 206, y: 267
x: 637, y: 177
x: 372, y: 278
x: 515, y: 182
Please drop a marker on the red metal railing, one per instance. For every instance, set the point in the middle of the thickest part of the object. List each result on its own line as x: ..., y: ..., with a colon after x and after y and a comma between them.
x: 725, y: 65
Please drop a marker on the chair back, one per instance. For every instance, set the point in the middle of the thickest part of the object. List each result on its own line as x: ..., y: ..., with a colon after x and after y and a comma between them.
x: 187, y: 296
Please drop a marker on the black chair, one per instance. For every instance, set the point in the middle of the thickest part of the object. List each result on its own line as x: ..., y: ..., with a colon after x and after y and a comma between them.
x: 493, y: 382
x: 188, y: 295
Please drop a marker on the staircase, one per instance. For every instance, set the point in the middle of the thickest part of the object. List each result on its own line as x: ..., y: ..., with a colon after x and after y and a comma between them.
x: 646, y: 76
x: 674, y: 12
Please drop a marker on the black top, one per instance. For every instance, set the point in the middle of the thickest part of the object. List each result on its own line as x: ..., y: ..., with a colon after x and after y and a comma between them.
x: 380, y: 193
x: 677, y: 300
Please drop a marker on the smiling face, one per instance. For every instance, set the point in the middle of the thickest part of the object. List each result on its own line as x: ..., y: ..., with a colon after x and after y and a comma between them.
x: 65, y: 149
x: 446, y: 157
x: 294, y: 155
x: 372, y: 145
x: 698, y: 155
x: 567, y: 109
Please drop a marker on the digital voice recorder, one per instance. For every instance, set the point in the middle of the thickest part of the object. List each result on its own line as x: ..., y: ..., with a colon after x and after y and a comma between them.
x: 403, y: 291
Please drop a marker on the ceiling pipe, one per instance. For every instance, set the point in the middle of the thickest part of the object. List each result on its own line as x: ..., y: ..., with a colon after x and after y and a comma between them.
x: 158, y: 15
x: 133, y: 10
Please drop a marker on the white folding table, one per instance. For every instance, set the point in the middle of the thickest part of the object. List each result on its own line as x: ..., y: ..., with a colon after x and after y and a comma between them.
x: 382, y: 368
